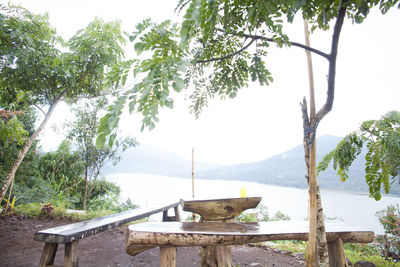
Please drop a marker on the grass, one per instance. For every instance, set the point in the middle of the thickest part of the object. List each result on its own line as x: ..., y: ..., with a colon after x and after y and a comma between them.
x: 354, y: 252
x: 35, y: 210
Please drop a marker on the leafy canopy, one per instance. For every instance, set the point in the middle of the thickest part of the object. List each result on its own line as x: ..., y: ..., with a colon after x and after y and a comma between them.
x: 38, y: 68
x: 218, y: 48
x: 382, y: 140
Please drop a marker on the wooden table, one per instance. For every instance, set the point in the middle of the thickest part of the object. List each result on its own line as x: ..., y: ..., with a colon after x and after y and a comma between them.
x: 170, y: 235
x: 220, y: 211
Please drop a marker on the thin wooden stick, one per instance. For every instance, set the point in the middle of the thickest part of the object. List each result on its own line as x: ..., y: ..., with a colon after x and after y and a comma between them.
x: 194, y: 215
x: 312, y: 237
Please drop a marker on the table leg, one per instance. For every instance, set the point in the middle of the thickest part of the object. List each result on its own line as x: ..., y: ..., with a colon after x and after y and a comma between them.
x: 336, y: 253
x: 216, y: 256
x: 167, y: 256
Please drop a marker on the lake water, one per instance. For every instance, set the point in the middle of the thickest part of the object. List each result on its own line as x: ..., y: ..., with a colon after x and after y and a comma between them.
x: 149, y: 190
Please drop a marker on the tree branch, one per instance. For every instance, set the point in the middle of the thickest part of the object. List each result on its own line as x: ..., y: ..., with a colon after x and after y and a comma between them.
x: 327, y: 107
x: 228, y: 56
x: 39, y: 108
x: 257, y: 37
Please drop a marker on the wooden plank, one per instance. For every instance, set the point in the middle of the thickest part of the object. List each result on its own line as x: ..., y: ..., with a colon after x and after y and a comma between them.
x: 48, y: 254
x: 168, y: 256
x: 211, y: 233
x: 71, y: 254
x: 336, y: 253
x: 71, y: 232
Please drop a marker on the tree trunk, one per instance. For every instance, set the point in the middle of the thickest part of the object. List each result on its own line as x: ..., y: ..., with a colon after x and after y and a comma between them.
x: 321, y: 244
x: 22, y: 153
x: 86, y: 188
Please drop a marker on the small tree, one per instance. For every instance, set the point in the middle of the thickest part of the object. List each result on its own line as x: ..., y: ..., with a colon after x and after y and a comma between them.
x: 39, y: 69
x: 83, y: 131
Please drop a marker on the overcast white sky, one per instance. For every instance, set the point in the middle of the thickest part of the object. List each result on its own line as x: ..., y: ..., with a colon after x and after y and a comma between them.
x: 261, y: 121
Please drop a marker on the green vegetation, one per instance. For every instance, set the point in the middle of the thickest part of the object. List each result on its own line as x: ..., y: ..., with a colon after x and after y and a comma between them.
x: 382, y: 161
x: 38, y: 70
x: 260, y: 214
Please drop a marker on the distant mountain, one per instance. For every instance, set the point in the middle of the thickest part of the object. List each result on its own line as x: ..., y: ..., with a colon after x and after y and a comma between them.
x: 154, y: 160
x: 288, y: 169
x: 285, y: 169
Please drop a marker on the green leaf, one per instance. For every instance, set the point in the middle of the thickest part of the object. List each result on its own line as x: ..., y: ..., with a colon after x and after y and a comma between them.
x: 111, y: 139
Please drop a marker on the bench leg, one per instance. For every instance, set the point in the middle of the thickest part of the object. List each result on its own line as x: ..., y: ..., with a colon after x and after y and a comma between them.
x: 48, y: 254
x: 177, y: 214
x: 168, y: 256
x: 71, y: 254
x: 337, y: 258
x: 176, y: 218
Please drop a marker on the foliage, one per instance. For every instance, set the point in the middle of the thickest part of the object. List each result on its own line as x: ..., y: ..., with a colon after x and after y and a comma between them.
x: 48, y: 208
x: 38, y: 69
x: 34, y: 210
x: 382, y: 140
x: 219, y: 47
x: 83, y: 131
x: 354, y: 252
x: 390, y: 220
x: 260, y: 214
x: 17, y: 128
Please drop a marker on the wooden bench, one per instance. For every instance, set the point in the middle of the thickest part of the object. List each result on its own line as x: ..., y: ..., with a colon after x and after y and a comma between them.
x: 71, y: 233
x: 170, y: 235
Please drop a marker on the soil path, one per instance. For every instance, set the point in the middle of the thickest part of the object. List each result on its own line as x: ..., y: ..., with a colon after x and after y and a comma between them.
x: 17, y: 248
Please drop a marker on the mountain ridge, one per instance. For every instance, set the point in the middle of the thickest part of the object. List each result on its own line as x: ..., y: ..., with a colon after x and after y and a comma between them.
x: 284, y: 169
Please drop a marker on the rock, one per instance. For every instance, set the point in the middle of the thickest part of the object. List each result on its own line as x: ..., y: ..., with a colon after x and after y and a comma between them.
x: 299, y: 255
x: 364, y: 264
x: 254, y: 264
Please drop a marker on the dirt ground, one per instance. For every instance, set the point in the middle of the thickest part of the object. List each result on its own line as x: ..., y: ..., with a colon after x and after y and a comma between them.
x: 17, y: 248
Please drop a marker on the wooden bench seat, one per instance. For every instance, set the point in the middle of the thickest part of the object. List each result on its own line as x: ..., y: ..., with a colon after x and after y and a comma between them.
x: 170, y: 235
x: 71, y: 233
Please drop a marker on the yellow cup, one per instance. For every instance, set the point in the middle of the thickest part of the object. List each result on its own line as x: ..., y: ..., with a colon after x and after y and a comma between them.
x: 243, y: 192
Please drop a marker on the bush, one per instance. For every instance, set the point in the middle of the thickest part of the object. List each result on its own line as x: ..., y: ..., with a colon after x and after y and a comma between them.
x: 390, y: 242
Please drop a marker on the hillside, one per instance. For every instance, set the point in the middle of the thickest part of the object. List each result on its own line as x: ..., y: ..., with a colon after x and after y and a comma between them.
x: 154, y: 160
x: 285, y: 169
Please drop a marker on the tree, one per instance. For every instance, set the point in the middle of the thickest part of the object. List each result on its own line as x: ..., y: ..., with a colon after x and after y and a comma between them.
x: 83, y: 130
x: 382, y: 160
x: 217, y: 49
x: 38, y: 69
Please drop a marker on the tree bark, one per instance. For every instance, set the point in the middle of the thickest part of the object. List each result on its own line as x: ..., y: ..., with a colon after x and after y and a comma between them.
x: 86, y: 187
x: 321, y: 244
x: 22, y: 153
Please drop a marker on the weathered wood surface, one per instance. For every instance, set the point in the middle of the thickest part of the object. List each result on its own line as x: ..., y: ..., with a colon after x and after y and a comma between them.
x: 215, y: 256
x: 220, y: 209
x: 336, y: 253
x: 71, y: 232
x: 48, y: 255
x: 71, y: 254
x: 168, y: 256
x: 214, y: 233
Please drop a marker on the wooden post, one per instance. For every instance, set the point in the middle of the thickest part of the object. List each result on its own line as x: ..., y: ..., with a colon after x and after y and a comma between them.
x: 177, y: 214
x: 167, y: 256
x: 336, y: 253
x: 312, y: 237
x: 71, y: 254
x: 193, y: 214
x: 48, y: 254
